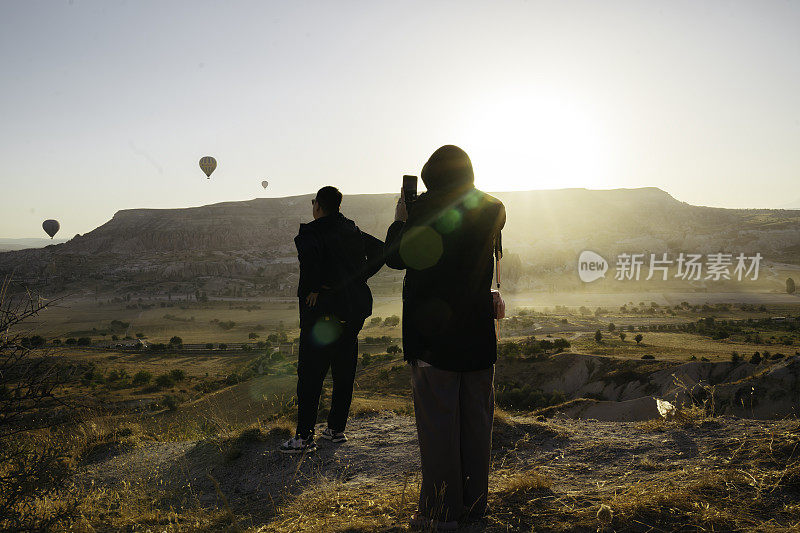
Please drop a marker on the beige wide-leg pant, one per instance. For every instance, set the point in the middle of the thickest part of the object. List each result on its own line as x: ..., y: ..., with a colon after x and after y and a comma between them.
x: 454, y: 413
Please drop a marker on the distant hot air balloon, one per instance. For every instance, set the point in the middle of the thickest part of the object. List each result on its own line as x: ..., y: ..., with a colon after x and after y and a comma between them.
x: 51, y: 227
x: 208, y: 164
x: 264, y: 183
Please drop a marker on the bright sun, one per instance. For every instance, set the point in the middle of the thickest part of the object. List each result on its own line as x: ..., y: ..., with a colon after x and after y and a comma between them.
x: 536, y: 141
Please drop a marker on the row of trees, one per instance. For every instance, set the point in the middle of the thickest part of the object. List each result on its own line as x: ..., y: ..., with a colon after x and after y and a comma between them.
x: 389, y: 321
x: 598, y: 335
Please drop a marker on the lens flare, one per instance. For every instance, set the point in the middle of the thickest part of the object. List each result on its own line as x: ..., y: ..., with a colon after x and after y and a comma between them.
x: 327, y: 330
x: 421, y: 247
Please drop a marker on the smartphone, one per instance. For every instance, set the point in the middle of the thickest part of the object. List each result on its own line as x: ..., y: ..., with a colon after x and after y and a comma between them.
x: 409, y: 189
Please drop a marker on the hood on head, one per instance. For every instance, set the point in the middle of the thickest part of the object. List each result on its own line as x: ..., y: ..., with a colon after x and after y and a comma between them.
x: 448, y: 167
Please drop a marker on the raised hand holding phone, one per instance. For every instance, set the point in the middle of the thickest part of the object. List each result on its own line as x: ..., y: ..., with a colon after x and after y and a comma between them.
x: 400, y: 211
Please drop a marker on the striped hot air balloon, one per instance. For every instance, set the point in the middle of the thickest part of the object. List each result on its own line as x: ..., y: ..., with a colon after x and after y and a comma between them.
x: 208, y: 164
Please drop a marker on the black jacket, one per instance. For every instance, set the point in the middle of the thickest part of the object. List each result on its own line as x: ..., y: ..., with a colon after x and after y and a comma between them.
x: 446, y: 248
x: 336, y: 259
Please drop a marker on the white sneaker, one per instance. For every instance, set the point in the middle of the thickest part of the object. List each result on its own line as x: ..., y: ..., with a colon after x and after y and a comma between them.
x: 334, y: 436
x: 298, y: 445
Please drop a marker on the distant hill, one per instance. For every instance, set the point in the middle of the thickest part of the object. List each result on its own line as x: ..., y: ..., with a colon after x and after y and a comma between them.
x: 247, y: 247
x: 21, y: 244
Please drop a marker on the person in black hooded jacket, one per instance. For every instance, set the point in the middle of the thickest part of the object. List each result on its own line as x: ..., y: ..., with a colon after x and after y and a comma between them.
x: 336, y: 259
x: 445, y: 242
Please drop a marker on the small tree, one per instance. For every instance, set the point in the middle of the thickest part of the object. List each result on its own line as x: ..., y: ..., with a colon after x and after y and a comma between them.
x: 393, y: 349
x: 176, y: 341
x: 611, y: 327
x: 375, y: 321
x: 598, y: 336
x: 391, y: 321
x: 30, y: 389
x: 755, y: 359
x: 790, y: 286
x: 366, y: 359
x: 638, y: 338
x: 622, y: 336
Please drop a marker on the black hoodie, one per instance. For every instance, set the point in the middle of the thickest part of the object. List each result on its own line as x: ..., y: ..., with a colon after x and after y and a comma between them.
x: 336, y: 259
x: 446, y: 247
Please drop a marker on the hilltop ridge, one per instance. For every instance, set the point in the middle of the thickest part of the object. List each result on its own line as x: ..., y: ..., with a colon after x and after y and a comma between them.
x: 252, y: 240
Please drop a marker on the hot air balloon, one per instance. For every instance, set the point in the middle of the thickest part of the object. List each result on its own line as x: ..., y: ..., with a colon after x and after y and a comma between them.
x: 208, y: 164
x: 264, y: 183
x: 51, y: 227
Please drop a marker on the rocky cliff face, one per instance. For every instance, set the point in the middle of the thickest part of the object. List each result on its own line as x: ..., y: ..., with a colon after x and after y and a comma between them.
x: 254, y: 239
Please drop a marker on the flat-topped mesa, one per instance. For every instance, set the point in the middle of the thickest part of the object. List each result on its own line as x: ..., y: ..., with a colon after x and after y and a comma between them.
x: 246, y: 235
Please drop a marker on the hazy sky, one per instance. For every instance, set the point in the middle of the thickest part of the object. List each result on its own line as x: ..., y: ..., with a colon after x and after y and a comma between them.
x: 110, y: 105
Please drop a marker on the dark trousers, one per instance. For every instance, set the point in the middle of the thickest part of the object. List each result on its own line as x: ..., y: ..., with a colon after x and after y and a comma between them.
x: 454, y: 413
x: 333, y: 346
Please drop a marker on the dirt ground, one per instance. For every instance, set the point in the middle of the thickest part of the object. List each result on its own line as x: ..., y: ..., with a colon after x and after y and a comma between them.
x: 586, y: 462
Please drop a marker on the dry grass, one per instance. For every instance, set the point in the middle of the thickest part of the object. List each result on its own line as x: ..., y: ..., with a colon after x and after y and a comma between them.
x: 509, y: 482
x: 751, y: 483
x: 335, y: 507
x: 365, y: 404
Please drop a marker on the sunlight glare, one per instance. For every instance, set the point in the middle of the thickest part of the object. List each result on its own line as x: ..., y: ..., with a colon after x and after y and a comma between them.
x: 536, y: 141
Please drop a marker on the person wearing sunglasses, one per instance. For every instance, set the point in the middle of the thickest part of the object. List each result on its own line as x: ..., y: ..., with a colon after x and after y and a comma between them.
x: 336, y: 260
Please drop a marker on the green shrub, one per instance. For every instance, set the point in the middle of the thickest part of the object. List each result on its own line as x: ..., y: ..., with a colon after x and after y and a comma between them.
x: 170, y: 401
x: 164, y: 381
x: 142, y: 377
x: 177, y: 375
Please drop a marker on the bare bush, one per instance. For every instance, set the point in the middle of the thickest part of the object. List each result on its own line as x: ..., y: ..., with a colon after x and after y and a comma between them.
x: 33, y: 466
